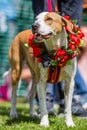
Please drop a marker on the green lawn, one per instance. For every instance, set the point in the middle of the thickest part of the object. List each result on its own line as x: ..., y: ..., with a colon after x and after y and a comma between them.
x: 25, y: 122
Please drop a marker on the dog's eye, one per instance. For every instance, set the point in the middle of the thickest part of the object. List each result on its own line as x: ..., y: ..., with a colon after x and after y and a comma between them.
x: 36, y: 19
x: 49, y: 19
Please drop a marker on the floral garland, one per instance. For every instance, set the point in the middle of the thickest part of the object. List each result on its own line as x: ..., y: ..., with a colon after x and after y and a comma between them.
x: 63, y: 55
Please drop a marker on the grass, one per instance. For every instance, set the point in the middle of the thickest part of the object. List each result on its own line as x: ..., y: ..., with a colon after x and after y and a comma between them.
x: 25, y: 122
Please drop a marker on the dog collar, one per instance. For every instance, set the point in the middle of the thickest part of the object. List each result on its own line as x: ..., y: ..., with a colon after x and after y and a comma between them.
x: 61, y: 56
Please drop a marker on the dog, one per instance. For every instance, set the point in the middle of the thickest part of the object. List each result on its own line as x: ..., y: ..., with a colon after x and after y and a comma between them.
x: 47, y: 28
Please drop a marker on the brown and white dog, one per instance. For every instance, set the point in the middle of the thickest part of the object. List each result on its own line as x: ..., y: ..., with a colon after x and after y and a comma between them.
x: 48, y: 27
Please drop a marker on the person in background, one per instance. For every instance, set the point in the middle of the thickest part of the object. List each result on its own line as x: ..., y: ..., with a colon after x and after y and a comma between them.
x: 5, y: 88
x: 7, y: 28
x: 37, y: 6
x: 74, y: 9
x: 80, y: 92
x: 16, y: 16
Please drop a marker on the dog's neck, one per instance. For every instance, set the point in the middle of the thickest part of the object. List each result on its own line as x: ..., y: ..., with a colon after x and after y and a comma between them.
x: 57, y: 41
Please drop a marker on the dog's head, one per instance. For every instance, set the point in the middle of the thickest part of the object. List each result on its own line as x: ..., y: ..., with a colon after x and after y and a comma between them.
x: 48, y: 24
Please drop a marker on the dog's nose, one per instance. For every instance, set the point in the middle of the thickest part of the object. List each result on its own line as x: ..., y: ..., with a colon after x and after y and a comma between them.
x: 35, y: 26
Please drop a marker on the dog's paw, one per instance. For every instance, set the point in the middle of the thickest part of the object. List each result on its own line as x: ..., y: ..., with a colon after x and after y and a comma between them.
x: 33, y: 114
x: 13, y: 114
x: 70, y: 123
x: 44, y: 121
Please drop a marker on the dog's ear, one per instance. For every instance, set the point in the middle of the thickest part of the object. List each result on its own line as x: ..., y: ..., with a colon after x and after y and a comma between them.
x: 67, y: 23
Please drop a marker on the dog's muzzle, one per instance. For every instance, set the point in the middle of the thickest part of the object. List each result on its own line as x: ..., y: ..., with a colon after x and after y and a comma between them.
x: 38, y: 36
x: 35, y: 30
x: 35, y: 27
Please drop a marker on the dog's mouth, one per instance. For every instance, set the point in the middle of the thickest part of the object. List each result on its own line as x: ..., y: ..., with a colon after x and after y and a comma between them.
x: 41, y: 37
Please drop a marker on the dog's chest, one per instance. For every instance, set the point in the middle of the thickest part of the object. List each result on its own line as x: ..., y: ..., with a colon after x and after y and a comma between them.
x: 68, y: 71
x: 57, y: 41
x: 50, y: 45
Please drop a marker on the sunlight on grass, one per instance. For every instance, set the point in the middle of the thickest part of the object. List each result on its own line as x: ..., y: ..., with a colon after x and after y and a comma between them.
x: 25, y: 122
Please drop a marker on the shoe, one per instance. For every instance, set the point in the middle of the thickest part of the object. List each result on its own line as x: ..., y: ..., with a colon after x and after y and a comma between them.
x: 61, y: 109
x: 78, y: 110
x: 52, y: 112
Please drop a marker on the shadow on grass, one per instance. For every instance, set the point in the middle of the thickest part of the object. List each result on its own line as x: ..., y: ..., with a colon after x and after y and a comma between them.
x: 4, y: 111
x: 22, y: 119
x: 23, y: 116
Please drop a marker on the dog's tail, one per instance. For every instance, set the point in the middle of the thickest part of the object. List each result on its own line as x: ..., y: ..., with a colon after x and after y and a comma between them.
x: 6, y: 73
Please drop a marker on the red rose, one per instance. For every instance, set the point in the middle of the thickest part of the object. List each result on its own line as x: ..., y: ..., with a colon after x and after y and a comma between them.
x: 78, y: 41
x: 31, y: 38
x: 37, y: 51
x: 79, y: 30
x: 65, y: 58
x: 73, y: 55
x: 39, y: 59
x: 67, y: 17
x: 67, y: 30
x: 30, y: 43
x: 72, y: 46
x: 80, y: 35
x: 60, y: 53
x: 74, y: 39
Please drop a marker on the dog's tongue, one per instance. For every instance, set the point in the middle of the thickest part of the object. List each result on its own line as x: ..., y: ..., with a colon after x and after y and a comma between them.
x: 42, y: 36
x: 47, y: 36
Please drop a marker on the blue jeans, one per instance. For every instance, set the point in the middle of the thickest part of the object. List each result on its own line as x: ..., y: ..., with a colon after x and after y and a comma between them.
x: 80, y: 87
x: 54, y: 94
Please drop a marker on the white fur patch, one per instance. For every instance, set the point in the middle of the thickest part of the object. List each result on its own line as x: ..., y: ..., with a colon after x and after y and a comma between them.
x: 43, y: 29
x: 44, y: 121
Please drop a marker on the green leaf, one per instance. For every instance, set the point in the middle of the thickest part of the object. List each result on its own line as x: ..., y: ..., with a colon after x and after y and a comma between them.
x: 54, y: 63
x: 26, y: 45
x: 63, y: 47
x: 54, y: 54
x: 68, y: 62
x: 69, y: 51
x: 59, y: 58
x: 81, y: 42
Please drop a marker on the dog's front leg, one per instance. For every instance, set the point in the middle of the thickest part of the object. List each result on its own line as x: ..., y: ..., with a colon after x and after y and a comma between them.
x: 68, y: 104
x: 41, y: 89
x: 69, y: 88
x: 42, y: 99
